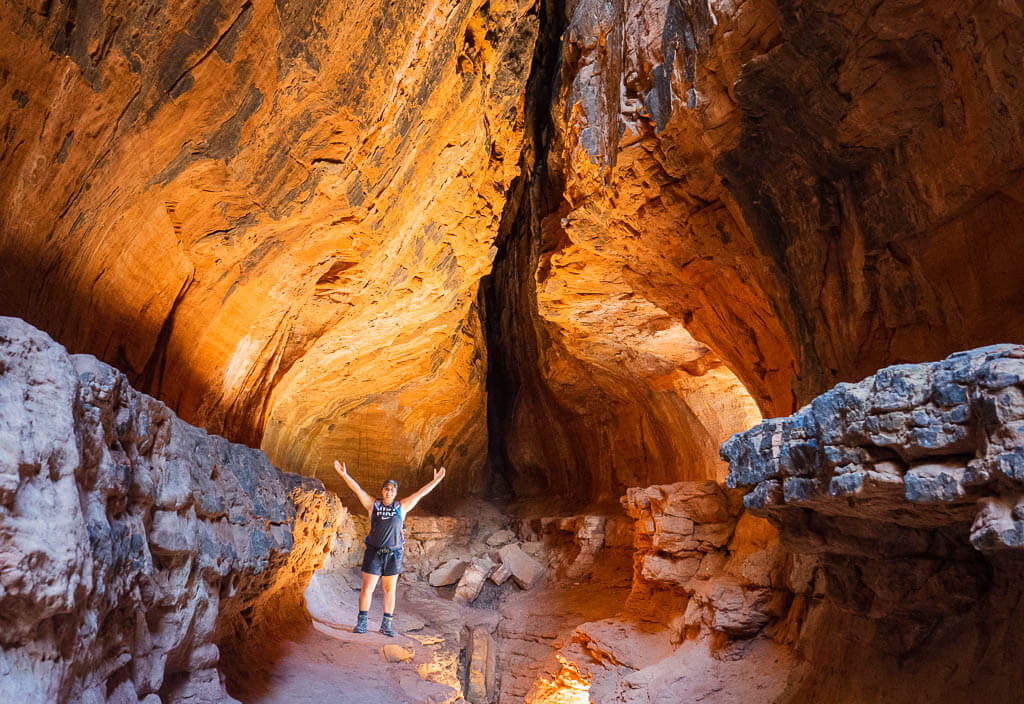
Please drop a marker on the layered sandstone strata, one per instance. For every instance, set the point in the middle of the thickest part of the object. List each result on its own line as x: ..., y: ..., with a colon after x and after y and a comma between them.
x: 135, y: 548
x: 907, y: 487
x: 789, y: 183
x: 271, y: 216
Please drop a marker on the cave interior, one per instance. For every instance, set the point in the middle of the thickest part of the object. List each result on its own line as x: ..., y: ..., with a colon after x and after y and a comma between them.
x: 666, y: 285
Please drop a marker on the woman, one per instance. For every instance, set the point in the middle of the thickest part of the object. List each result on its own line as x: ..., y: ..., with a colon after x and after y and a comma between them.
x: 383, y: 557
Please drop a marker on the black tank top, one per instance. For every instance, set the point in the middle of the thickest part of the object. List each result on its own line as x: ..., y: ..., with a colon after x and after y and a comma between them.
x: 386, y: 525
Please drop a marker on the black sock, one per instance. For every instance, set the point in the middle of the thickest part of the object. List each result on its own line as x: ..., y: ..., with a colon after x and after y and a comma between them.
x: 363, y: 613
x: 387, y: 615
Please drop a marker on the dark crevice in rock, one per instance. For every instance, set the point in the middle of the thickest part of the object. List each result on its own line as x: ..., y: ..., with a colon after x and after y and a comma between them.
x: 507, y: 295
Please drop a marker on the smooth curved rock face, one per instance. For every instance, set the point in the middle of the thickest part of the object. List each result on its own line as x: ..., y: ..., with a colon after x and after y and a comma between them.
x: 272, y: 216
x: 130, y: 541
x: 907, y: 488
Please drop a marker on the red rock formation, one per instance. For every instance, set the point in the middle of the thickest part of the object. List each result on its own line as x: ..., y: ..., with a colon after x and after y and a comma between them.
x: 788, y: 183
x: 794, y: 180
x: 273, y: 217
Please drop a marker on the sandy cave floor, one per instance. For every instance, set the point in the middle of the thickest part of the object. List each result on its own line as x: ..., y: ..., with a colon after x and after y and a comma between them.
x: 324, y: 662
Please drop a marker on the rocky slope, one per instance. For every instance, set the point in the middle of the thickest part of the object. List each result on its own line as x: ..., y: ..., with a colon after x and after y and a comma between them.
x: 135, y: 549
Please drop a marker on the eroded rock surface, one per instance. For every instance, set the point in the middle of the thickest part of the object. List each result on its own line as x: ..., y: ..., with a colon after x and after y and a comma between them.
x: 906, y: 488
x: 734, y: 205
x: 134, y: 548
x: 917, y: 446
x: 710, y: 587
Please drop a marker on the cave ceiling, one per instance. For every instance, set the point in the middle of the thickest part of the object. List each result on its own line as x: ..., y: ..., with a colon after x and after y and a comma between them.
x: 561, y: 247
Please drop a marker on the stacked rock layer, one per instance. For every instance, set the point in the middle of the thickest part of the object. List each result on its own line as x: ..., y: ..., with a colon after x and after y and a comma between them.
x: 907, y: 486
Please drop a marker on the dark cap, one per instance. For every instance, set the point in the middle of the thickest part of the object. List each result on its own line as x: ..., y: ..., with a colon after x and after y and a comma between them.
x: 390, y: 481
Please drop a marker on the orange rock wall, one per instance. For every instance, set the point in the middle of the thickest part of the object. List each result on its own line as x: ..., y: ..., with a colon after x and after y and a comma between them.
x: 275, y: 217
x: 795, y: 181
x: 272, y: 216
x: 808, y: 189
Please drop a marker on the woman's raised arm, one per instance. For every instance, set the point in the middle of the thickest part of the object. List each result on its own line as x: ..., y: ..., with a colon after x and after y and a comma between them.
x: 409, y: 503
x: 365, y: 499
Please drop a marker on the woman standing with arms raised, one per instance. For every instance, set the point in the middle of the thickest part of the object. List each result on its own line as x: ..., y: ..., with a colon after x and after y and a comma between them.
x: 383, y: 557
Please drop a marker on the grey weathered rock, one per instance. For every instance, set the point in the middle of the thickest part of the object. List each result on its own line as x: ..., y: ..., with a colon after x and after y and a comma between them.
x: 525, y: 570
x: 447, y: 573
x: 918, y: 446
x: 901, y: 496
x: 130, y: 541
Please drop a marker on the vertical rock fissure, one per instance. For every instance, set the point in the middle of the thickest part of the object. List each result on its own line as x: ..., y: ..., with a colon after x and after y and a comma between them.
x: 507, y: 294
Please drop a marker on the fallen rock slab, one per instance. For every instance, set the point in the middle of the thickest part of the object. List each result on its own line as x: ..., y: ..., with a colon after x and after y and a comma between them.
x: 447, y: 573
x: 472, y: 580
x: 84, y: 460
x: 480, y: 674
x: 525, y: 570
x: 501, y: 574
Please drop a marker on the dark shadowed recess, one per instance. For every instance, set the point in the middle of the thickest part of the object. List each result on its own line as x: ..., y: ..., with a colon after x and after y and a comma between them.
x: 507, y: 296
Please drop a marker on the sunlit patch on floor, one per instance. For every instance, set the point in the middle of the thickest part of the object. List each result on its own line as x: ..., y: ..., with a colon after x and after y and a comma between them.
x: 569, y: 686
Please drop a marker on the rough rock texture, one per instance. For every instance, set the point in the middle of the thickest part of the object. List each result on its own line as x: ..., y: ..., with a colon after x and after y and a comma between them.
x: 272, y: 216
x: 132, y: 544
x: 907, y: 486
x: 779, y: 190
x: 919, y: 446
x: 710, y: 588
x: 694, y: 540
x: 275, y: 216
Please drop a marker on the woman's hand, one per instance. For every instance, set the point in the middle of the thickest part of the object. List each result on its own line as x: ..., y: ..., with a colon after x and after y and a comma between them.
x: 340, y: 468
x: 438, y: 474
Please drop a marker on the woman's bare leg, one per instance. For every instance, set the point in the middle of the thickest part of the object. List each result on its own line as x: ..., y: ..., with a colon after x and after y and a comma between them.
x: 389, y: 585
x: 369, y: 584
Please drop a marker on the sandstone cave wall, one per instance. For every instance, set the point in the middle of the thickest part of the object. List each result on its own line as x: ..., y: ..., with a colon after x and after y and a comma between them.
x: 787, y: 194
x: 271, y: 216
x: 592, y: 386
x: 135, y: 550
x: 275, y: 218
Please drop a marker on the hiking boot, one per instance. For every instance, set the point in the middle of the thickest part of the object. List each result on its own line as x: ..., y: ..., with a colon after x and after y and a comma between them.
x: 360, y: 624
x: 386, y: 627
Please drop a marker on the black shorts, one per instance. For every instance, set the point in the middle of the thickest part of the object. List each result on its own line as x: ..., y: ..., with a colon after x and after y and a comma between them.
x: 386, y: 563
